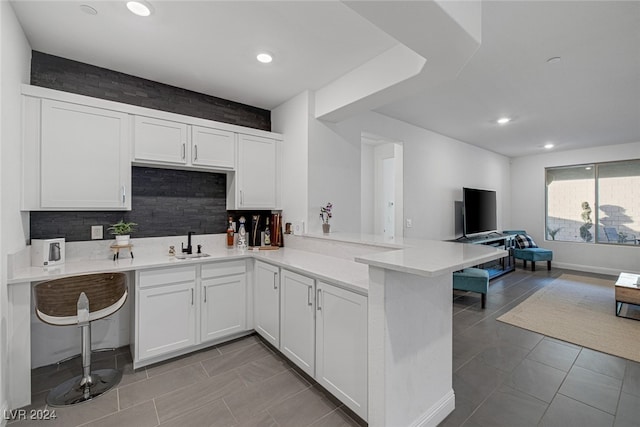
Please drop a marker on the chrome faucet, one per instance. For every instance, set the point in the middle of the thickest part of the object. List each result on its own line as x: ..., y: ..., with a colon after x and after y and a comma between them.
x: 188, y: 250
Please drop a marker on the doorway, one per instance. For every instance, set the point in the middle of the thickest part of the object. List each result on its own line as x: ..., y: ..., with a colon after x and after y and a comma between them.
x: 381, y: 187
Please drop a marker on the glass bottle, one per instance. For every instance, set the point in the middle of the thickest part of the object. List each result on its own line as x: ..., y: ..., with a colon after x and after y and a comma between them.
x: 230, y: 233
x: 242, y: 234
x: 267, y: 234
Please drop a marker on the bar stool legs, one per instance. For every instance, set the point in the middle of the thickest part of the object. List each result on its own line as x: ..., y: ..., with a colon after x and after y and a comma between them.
x: 89, y: 385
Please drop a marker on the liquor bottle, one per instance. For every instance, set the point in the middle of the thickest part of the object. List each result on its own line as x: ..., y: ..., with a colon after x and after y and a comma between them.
x: 242, y: 235
x: 267, y: 234
x: 230, y: 233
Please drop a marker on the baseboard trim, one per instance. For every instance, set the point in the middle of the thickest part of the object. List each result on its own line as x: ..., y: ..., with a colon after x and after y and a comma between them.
x: 438, y: 412
x: 588, y: 268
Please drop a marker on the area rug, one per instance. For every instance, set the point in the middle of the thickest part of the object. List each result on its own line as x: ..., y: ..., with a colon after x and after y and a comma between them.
x: 579, y: 310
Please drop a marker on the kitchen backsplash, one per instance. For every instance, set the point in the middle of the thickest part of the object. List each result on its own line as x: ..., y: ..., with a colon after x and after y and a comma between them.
x: 63, y: 74
x: 164, y: 202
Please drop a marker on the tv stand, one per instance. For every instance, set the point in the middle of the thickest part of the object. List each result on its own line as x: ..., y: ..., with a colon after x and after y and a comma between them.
x: 506, y: 242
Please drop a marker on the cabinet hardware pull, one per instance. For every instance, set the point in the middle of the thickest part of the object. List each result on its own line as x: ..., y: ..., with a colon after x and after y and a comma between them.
x: 309, y: 295
x: 275, y: 286
x: 241, y: 198
x: 184, y: 150
x: 124, y: 194
x: 205, y: 294
x: 195, y: 148
x: 318, y: 300
x: 191, y: 296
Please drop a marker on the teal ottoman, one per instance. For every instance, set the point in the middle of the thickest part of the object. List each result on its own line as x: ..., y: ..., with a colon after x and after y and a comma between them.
x: 533, y: 255
x: 473, y: 280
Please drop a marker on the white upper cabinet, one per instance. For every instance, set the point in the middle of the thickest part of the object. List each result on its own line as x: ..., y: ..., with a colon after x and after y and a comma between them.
x: 160, y: 141
x: 213, y: 147
x: 165, y: 142
x: 256, y: 184
x: 75, y: 157
x: 78, y: 151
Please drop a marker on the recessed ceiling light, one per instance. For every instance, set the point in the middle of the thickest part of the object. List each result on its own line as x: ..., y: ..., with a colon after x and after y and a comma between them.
x: 503, y: 120
x: 553, y: 59
x: 548, y: 146
x: 139, y: 7
x: 588, y: 168
x: 264, y: 57
x: 88, y: 9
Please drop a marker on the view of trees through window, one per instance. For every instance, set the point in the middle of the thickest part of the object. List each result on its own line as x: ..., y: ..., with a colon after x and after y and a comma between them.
x: 594, y: 203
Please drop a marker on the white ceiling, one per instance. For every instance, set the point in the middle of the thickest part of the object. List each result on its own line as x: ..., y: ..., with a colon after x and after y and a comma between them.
x: 589, y: 98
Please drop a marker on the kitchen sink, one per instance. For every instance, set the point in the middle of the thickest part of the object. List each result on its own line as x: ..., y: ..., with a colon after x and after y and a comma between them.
x: 189, y: 256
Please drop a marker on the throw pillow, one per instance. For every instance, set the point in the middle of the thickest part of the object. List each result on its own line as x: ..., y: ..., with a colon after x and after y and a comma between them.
x: 524, y: 241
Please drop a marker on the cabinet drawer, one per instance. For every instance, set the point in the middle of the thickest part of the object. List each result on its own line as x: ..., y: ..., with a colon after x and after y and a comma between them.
x: 220, y: 269
x: 167, y: 275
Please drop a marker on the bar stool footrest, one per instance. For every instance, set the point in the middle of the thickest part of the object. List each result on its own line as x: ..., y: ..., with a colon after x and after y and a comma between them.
x: 71, y: 392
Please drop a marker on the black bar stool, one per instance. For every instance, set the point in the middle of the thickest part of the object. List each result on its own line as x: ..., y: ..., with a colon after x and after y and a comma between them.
x: 79, y: 300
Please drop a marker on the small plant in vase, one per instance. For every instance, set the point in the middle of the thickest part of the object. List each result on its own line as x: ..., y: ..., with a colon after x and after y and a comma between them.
x: 325, y: 216
x: 122, y: 230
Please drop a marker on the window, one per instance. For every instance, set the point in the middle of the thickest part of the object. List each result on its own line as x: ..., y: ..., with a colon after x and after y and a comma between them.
x: 594, y: 203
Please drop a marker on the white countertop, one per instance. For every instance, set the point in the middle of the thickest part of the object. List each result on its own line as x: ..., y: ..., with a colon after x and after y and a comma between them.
x: 345, y: 273
x: 426, y: 258
x: 433, y: 258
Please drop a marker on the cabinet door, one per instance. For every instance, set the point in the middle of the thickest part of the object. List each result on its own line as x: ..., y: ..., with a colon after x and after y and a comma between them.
x: 166, y: 319
x: 297, y: 320
x: 213, y: 147
x: 257, y: 172
x: 341, y: 345
x: 267, y: 302
x: 84, y: 158
x: 160, y: 141
x: 224, y: 307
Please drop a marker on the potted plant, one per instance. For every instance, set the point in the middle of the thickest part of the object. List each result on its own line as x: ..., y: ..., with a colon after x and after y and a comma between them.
x: 122, y: 230
x: 325, y: 216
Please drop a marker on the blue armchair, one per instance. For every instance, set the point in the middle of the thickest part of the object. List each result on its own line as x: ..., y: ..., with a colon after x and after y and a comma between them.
x: 528, y: 251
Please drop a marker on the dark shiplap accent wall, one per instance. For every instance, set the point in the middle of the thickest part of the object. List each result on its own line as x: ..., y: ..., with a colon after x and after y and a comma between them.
x: 164, y: 203
x: 71, y: 76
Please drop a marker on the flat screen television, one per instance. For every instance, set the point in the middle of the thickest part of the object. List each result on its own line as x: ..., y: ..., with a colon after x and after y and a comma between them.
x: 479, y: 211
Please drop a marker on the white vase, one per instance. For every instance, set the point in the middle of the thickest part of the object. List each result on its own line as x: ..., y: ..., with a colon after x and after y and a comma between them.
x: 122, y: 240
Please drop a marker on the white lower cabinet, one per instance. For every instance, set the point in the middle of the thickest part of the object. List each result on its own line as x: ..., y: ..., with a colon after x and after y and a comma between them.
x: 165, y: 311
x: 224, y: 300
x: 180, y: 309
x: 297, y: 320
x: 341, y: 345
x: 267, y: 302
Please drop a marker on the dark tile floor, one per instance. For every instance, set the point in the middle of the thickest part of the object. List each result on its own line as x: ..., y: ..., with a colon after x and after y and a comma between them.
x: 507, y: 376
x: 503, y: 376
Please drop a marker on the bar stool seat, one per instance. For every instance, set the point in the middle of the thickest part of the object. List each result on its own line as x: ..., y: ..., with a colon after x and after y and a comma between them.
x: 79, y: 300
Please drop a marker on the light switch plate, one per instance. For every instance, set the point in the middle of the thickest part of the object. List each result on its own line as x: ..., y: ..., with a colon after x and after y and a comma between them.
x: 97, y: 232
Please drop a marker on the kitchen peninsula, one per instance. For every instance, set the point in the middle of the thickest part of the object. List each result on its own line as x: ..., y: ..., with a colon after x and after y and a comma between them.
x: 406, y: 289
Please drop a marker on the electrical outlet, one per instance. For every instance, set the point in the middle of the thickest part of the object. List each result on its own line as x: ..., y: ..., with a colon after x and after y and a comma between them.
x: 409, y: 223
x: 97, y: 232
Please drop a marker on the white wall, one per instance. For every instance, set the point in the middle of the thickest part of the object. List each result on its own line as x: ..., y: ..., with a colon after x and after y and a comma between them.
x: 367, y: 177
x: 435, y: 170
x: 292, y: 120
x: 528, y: 209
x: 15, y: 57
x: 334, y: 175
